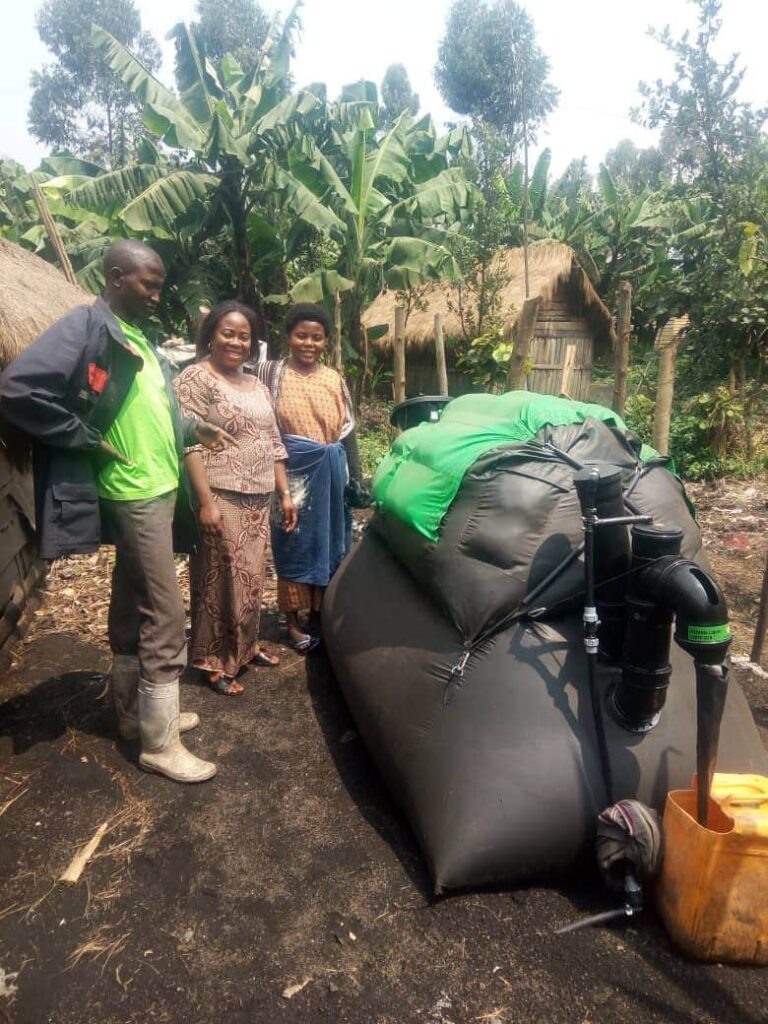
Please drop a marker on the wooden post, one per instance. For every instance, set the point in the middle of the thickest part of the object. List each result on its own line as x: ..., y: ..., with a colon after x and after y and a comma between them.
x: 566, y: 378
x: 53, y: 234
x: 622, y: 347
x: 338, y: 345
x: 526, y: 325
x: 667, y: 341
x: 442, y: 370
x: 365, y: 376
x: 398, y: 355
x: 762, y: 620
x: 526, y: 186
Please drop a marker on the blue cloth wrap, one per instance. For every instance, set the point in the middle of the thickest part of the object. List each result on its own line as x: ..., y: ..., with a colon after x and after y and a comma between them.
x: 314, y: 551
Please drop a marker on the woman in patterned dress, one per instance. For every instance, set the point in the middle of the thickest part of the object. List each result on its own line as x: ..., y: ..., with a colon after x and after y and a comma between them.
x: 233, y: 488
x: 314, y: 414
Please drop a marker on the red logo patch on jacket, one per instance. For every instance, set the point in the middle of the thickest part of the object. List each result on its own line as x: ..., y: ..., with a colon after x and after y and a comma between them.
x: 97, y: 378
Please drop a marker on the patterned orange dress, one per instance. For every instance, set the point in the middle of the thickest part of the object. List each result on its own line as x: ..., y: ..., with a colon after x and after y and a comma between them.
x: 226, y: 576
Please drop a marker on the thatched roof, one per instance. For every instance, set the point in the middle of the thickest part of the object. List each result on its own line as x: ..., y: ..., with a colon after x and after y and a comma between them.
x: 33, y: 294
x: 550, y: 265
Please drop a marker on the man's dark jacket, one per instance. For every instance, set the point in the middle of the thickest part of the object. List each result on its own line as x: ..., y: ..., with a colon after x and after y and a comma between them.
x: 65, y: 391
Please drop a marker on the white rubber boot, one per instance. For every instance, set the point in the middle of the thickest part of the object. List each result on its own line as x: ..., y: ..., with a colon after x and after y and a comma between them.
x: 161, y: 749
x: 124, y: 680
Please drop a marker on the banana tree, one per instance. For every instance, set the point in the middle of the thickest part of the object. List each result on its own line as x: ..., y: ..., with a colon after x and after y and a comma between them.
x: 389, y: 203
x: 81, y: 231
x: 210, y: 202
x: 622, y: 235
x: 509, y: 192
x: 85, y: 230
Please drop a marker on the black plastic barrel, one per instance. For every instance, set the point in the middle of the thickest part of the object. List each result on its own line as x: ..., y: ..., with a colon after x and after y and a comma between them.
x: 422, y: 409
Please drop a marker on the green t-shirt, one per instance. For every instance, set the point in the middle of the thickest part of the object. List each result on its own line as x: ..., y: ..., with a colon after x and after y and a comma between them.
x: 143, y: 432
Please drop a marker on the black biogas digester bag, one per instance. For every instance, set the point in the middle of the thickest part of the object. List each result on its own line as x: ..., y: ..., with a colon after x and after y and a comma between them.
x: 473, y: 703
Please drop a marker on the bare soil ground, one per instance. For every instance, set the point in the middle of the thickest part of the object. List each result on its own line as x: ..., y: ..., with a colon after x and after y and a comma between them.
x: 733, y: 515
x: 290, y: 889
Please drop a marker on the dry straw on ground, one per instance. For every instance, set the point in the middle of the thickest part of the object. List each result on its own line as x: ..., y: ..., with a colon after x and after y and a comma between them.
x: 103, y: 944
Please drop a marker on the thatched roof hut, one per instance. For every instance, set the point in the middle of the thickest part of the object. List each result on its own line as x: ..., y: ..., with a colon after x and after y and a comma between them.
x: 33, y: 294
x: 573, y: 324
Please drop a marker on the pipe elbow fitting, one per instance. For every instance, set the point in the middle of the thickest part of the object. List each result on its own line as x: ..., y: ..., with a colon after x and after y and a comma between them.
x: 701, y: 611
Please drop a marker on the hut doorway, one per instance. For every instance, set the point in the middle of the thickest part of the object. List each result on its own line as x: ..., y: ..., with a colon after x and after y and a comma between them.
x: 562, y: 350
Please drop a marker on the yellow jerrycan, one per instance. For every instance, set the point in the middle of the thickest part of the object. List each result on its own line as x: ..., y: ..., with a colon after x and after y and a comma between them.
x: 712, y: 893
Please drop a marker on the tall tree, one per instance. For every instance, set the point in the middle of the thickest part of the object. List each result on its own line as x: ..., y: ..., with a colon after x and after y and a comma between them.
x: 496, y: 222
x: 489, y: 65
x: 636, y: 167
x: 238, y: 27
x: 719, y: 160
x: 77, y: 103
x: 704, y: 121
x: 397, y: 96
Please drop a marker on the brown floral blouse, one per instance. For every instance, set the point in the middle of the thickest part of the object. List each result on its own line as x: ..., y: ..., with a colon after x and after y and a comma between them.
x: 247, y: 467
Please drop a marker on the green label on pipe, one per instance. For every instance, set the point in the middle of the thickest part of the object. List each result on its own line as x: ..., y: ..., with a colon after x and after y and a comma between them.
x: 709, y: 634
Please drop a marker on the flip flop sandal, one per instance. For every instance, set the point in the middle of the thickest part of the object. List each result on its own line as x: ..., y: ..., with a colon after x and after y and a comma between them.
x: 226, y: 686
x: 305, y: 644
x: 261, y: 657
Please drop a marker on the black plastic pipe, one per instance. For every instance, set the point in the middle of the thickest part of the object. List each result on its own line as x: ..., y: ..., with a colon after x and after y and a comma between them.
x: 711, y: 691
x: 588, y: 483
x: 664, y: 585
x: 701, y: 612
x: 599, y: 487
x: 636, y: 702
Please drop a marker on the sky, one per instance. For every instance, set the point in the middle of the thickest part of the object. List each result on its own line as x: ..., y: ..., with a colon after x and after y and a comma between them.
x: 598, y: 50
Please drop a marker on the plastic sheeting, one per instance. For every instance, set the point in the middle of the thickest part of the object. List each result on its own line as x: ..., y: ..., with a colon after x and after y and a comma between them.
x: 421, y: 475
x: 516, y: 516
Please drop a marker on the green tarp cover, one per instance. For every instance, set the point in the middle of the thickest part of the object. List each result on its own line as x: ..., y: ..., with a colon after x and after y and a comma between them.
x: 421, y: 474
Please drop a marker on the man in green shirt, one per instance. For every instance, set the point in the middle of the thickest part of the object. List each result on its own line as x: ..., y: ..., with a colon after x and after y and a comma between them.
x: 143, y: 427
x: 138, y: 496
x: 97, y: 401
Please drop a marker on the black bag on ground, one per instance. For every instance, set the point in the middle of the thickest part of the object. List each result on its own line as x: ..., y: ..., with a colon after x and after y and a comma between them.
x: 482, y: 725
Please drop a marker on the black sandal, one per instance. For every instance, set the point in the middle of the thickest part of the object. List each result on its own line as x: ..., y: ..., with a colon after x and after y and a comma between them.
x: 226, y: 686
x: 304, y: 644
x: 263, y: 658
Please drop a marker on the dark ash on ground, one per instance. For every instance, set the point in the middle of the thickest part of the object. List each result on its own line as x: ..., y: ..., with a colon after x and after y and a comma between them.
x: 289, y: 889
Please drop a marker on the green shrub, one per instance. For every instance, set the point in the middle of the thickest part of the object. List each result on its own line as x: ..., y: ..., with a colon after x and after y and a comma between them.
x: 638, y: 415
x: 374, y: 434
x: 486, y: 360
x: 706, y: 437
